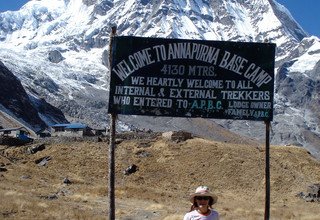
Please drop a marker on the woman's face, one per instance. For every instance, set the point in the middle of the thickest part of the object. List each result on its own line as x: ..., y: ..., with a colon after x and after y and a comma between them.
x: 202, y: 201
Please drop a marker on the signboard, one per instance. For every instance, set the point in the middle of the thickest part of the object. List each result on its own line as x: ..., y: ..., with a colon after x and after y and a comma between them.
x: 192, y: 78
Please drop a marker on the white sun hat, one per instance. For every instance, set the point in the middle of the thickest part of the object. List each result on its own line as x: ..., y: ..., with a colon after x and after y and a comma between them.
x: 203, y: 191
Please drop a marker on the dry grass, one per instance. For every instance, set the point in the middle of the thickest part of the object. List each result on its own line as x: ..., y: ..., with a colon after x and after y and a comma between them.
x: 167, y: 173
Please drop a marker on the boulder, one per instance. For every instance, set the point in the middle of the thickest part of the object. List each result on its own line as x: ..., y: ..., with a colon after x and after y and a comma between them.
x: 131, y: 169
x: 177, y: 135
x: 55, y: 56
x: 312, y: 194
x: 34, y: 149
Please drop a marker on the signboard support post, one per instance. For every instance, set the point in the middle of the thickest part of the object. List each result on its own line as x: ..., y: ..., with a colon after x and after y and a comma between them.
x: 267, y: 172
x: 113, y: 118
x: 112, y: 168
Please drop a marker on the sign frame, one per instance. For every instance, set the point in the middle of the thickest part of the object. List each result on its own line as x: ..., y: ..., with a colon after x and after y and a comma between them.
x: 192, y: 78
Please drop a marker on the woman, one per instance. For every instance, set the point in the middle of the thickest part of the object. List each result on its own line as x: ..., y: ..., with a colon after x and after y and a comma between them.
x: 201, y: 209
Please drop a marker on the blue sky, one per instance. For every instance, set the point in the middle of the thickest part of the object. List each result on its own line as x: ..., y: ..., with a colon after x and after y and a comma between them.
x: 12, y: 5
x: 305, y: 12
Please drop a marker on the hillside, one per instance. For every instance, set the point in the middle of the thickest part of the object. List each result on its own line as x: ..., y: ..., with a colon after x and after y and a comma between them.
x: 167, y: 172
x: 8, y: 122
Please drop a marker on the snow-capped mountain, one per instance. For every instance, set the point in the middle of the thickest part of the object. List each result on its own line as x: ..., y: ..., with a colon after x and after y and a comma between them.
x: 58, y: 49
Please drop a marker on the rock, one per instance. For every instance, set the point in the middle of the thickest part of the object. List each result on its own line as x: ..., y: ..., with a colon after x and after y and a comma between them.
x: 89, y: 2
x: 314, y: 190
x: 55, y: 56
x: 43, y: 161
x: 3, y: 169
x: 143, y: 154
x: 177, y: 135
x: 66, y: 181
x: 36, y: 148
x: 131, y: 169
x: 50, y: 197
x: 118, y: 140
x: 312, y: 194
x: 64, y: 192
x: 25, y: 177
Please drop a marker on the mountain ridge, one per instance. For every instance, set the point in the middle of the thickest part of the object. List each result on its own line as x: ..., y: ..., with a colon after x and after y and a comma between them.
x: 79, y: 32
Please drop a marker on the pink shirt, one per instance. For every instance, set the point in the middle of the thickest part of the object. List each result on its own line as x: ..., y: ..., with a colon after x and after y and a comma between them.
x: 195, y: 215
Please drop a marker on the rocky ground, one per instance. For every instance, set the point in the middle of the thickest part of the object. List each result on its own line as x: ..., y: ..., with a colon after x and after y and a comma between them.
x: 69, y: 179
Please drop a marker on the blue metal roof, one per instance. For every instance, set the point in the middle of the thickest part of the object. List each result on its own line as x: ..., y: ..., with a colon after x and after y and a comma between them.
x: 71, y: 125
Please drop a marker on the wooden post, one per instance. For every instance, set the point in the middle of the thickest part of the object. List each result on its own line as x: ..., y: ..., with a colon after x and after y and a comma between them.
x: 267, y: 173
x: 113, y: 118
x: 112, y: 168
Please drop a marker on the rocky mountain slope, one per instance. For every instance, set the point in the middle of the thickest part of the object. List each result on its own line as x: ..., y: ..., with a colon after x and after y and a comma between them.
x: 58, y: 49
x: 16, y: 106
